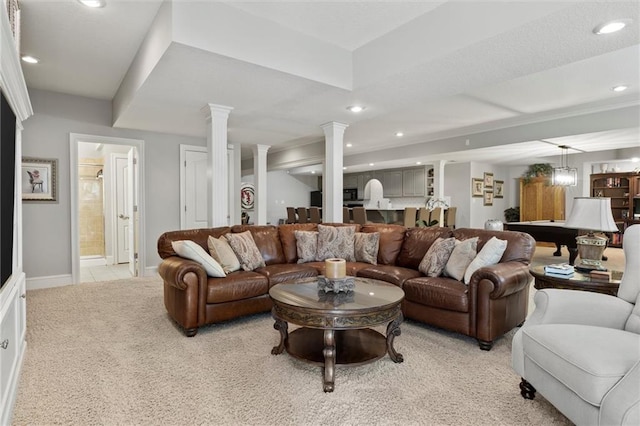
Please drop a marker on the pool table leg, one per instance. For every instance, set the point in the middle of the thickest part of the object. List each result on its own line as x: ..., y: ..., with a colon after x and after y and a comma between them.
x: 573, y: 253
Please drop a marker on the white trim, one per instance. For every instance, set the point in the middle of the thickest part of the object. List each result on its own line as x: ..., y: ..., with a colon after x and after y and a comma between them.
x: 183, y: 179
x: 74, y: 139
x: 95, y: 261
x: 48, y: 282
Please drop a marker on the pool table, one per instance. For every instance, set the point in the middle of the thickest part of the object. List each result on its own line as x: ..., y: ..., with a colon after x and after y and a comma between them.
x: 550, y: 232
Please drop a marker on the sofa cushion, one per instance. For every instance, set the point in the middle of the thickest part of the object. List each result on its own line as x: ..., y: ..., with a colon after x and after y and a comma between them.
x: 416, y: 243
x: 520, y: 246
x: 236, y: 286
x: 245, y: 248
x: 439, y: 292
x: 489, y: 255
x: 307, y: 245
x: 190, y: 250
x: 199, y: 236
x: 286, y: 272
x: 391, y: 239
x: 288, y: 239
x: 461, y: 256
x: 588, y: 360
x: 436, y: 257
x: 266, y: 239
x: 222, y: 252
x: 365, y: 247
x: 392, y: 274
x: 335, y: 242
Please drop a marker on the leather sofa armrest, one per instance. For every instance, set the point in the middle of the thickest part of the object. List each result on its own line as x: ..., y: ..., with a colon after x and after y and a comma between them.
x: 507, y: 278
x: 174, y: 270
x: 555, y: 306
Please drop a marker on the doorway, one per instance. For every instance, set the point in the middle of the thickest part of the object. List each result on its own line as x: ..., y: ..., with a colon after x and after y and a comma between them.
x: 106, y: 208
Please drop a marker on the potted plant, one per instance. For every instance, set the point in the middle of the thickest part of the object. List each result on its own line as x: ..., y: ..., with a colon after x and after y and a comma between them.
x: 512, y: 214
x: 537, y: 170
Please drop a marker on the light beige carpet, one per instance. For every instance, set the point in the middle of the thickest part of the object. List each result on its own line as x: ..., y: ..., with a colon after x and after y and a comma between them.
x: 107, y: 353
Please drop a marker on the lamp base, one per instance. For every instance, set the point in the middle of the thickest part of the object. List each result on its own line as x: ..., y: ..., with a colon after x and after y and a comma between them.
x: 591, y: 249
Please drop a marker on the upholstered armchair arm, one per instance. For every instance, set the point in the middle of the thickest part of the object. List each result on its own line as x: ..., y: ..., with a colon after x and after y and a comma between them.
x: 174, y: 270
x: 621, y: 405
x: 554, y: 306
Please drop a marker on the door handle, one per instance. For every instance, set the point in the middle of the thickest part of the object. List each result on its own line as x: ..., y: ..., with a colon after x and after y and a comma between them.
x: 121, y: 216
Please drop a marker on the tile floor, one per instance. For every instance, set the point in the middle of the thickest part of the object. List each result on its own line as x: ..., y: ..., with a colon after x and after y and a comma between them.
x: 104, y: 273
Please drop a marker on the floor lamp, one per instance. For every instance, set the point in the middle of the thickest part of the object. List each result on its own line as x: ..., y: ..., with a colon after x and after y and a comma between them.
x: 593, y: 215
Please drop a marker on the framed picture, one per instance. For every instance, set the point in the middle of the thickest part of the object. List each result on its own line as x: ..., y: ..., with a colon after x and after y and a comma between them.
x: 38, y: 179
x: 498, y: 189
x: 476, y: 187
x: 488, y: 198
x: 247, y: 196
x: 488, y: 180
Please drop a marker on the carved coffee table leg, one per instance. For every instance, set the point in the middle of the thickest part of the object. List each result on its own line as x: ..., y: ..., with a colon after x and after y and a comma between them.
x: 393, y: 330
x: 283, y: 328
x: 329, y: 353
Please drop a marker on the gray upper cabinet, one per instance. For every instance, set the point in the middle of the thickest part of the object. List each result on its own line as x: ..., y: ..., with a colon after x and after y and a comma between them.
x: 350, y: 180
x: 413, y: 182
x: 392, y: 183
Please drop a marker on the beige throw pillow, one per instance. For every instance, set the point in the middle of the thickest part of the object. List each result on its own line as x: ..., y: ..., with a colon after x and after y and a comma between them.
x: 461, y: 256
x: 336, y: 241
x: 365, y: 247
x: 190, y: 250
x: 222, y: 252
x: 306, y: 245
x: 246, y: 250
x: 490, y: 254
x: 437, y: 256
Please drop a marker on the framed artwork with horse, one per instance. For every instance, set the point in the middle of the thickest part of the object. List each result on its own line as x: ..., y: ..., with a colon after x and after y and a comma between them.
x: 38, y: 179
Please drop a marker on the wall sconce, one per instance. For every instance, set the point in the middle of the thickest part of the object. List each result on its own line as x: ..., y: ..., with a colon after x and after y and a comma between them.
x: 565, y: 175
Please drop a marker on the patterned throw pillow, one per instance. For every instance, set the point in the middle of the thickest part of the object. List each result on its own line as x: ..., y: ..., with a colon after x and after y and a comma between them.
x: 490, y: 254
x: 437, y: 256
x: 306, y: 245
x: 365, y: 247
x: 222, y: 252
x: 190, y: 250
x: 245, y: 248
x: 461, y: 256
x: 336, y: 241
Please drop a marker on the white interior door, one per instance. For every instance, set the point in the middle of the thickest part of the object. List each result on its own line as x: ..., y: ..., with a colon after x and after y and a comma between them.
x: 194, y: 187
x: 132, y: 210
x: 122, y: 209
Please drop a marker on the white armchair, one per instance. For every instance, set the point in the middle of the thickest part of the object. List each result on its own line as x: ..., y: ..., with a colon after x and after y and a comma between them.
x: 581, y: 350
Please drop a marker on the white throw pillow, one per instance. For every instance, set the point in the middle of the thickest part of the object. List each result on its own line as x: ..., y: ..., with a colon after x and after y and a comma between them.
x: 222, y: 253
x: 463, y: 253
x: 490, y: 254
x: 190, y: 250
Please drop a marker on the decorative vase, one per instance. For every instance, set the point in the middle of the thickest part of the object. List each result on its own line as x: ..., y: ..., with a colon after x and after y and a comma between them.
x: 604, y: 167
x: 494, y: 225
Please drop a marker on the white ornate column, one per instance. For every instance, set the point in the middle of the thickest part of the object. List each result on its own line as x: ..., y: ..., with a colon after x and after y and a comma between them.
x: 332, y: 179
x: 217, y: 164
x: 260, y: 183
x: 235, y: 175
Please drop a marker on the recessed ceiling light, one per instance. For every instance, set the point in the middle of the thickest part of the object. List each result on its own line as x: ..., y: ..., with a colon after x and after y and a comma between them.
x: 620, y: 88
x: 344, y: 168
x: 313, y: 172
x: 418, y: 162
x: 399, y: 134
x: 372, y: 164
x: 349, y: 145
x: 94, y: 3
x: 635, y: 159
x: 30, y: 59
x: 611, y: 26
x: 355, y: 108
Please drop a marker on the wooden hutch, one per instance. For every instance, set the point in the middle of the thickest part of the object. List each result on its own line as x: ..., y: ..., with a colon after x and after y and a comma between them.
x: 624, y: 191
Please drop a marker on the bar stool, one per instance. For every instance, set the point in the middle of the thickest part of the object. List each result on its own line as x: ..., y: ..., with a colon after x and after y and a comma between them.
x: 410, y: 217
x: 450, y: 219
x: 436, y: 214
x: 424, y: 214
x: 314, y: 215
x: 291, y: 215
x: 303, y: 217
x: 346, y: 215
x: 359, y: 215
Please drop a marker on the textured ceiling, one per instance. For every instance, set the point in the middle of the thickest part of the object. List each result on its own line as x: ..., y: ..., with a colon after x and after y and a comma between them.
x: 441, y: 72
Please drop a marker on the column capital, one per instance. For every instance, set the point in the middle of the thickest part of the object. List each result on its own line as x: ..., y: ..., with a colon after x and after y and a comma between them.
x: 260, y: 149
x: 218, y: 111
x: 333, y: 125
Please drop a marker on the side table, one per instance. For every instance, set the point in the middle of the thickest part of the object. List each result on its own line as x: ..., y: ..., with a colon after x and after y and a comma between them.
x: 579, y: 281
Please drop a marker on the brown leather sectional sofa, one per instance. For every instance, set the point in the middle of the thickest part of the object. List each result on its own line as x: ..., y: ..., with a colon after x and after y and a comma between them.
x: 494, y: 302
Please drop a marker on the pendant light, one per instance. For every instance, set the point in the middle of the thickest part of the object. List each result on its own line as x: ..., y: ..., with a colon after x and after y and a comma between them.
x: 565, y: 175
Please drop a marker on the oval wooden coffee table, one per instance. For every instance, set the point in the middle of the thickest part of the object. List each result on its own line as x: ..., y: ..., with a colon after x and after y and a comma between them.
x: 335, y: 326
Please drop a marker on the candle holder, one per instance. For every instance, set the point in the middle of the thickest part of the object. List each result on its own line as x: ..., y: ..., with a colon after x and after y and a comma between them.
x: 336, y: 285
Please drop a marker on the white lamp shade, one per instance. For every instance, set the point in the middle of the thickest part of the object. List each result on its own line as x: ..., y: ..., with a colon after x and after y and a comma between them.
x: 593, y: 214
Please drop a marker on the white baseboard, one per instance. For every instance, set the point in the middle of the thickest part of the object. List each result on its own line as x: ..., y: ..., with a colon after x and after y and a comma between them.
x: 94, y: 261
x: 50, y: 281
x: 151, y: 271
x: 110, y: 260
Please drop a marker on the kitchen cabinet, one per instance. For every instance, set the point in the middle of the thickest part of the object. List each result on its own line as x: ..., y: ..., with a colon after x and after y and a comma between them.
x: 350, y: 181
x: 413, y: 182
x: 392, y: 183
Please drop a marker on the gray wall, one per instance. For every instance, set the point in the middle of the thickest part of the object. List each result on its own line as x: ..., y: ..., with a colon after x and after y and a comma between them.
x: 47, y: 226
